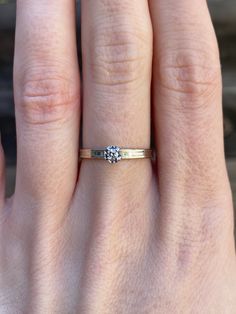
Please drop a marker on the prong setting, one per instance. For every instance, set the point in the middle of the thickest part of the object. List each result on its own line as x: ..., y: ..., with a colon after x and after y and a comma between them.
x: 112, y: 154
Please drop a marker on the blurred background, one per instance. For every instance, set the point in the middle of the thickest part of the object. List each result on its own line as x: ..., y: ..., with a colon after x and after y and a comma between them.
x: 224, y: 18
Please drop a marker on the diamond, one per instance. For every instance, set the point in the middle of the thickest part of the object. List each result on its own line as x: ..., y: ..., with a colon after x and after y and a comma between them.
x: 112, y: 154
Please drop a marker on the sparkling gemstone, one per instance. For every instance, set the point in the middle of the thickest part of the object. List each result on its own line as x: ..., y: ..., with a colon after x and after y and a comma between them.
x: 112, y: 154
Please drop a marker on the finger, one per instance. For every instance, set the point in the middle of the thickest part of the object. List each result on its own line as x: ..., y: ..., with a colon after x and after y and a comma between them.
x: 117, y: 53
x: 187, y: 105
x: 187, y: 90
x: 117, y: 58
x: 46, y: 83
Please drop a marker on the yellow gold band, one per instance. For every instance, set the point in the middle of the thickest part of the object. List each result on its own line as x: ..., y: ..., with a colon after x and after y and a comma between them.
x: 114, y: 154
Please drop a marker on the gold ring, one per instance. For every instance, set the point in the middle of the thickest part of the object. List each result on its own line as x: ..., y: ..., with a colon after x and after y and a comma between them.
x: 113, y: 154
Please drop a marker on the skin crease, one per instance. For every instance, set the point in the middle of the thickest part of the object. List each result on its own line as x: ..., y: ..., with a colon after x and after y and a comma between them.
x: 135, y: 237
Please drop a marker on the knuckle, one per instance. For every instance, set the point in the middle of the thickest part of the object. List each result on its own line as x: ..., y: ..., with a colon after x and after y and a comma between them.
x: 190, y: 75
x: 47, y: 99
x: 119, y: 55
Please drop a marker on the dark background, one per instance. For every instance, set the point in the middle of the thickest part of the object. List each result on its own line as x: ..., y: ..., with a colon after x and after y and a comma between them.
x: 224, y: 18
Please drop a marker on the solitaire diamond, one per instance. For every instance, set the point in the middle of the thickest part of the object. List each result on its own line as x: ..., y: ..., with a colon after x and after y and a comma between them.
x: 112, y: 154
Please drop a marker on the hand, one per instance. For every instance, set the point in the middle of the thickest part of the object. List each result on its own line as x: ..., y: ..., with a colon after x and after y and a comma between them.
x: 135, y: 237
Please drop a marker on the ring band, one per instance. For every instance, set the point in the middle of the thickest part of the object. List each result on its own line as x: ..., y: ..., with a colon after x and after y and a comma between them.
x: 113, y: 154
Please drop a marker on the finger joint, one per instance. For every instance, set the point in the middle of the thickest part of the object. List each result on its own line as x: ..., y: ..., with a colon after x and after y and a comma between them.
x: 190, y: 76
x: 47, y: 98
x: 119, y: 56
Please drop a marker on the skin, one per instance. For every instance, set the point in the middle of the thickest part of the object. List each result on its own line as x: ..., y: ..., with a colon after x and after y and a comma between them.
x: 138, y: 236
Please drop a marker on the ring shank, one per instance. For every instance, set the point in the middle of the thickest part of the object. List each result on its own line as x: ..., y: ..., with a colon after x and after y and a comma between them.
x: 125, y: 153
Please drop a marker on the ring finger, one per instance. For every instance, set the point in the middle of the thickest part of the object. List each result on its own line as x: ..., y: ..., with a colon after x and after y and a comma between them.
x: 117, y: 59
x: 117, y: 68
